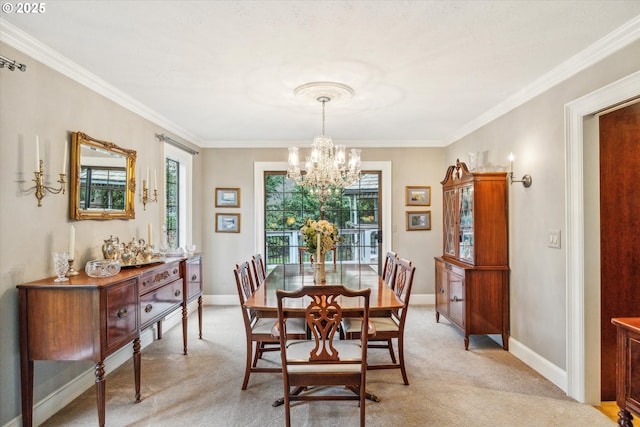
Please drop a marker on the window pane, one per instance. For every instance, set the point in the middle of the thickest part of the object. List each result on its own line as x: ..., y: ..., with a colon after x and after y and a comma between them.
x: 172, y: 203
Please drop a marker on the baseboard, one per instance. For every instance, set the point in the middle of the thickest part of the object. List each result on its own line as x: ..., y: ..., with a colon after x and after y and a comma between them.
x: 544, y: 367
x: 58, y: 399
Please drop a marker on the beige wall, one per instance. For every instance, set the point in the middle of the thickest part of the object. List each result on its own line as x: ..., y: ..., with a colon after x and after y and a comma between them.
x: 535, y: 133
x: 234, y: 168
x: 42, y: 102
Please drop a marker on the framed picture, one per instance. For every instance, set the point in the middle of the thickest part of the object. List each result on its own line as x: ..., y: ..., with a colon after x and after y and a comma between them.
x: 227, y: 223
x: 418, y: 220
x: 227, y: 197
x: 418, y: 196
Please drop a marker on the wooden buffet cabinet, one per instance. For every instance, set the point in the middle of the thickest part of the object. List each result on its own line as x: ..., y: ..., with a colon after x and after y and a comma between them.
x: 90, y: 318
x: 628, y: 369
x: 472, y: 275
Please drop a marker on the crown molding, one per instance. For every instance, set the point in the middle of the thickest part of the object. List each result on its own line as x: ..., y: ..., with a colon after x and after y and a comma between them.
x: 612, y: 42
x: 39, y: 51
x: 305, y: 143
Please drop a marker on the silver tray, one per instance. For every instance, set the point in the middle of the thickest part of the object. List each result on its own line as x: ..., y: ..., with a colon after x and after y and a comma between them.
x: 143, y: 264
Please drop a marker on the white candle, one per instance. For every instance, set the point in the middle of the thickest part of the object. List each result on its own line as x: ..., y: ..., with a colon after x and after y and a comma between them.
x: 64, y: 158
x: 155, y: 179
x: 150, y: 233
x: 511, y: 160
x: 72, y: 242
x: 37, y: 154
x: 147, y: 177
x: 318, y: 260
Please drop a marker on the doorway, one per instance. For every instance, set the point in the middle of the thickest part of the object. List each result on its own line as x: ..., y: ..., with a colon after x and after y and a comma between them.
x: 619, y: 132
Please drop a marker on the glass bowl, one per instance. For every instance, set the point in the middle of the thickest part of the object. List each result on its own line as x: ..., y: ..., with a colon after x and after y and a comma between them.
x: 102, y: 268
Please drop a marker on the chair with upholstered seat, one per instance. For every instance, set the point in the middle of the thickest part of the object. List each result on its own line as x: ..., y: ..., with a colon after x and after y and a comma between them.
x: 258, y: 330
x: 259, y: 271
x: 389, y: 270
x: 323, y: 359
x: 391, y: 326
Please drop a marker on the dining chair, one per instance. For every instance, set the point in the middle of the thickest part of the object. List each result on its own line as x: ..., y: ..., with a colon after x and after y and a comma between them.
x: 322, y: 360
x: 389, y: 270
x: 391, y: 326
x: 258, y: 330
x: 259, y: 271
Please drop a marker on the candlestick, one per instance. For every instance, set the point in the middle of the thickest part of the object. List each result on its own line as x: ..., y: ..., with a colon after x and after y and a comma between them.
x: 72, y: 242
x: 37, y: 153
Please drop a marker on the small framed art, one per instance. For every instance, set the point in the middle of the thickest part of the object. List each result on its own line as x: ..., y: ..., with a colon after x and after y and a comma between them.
x: 227, y: 197
x: 418, y: 196
x: 418, y: 220
x: 227, y: 223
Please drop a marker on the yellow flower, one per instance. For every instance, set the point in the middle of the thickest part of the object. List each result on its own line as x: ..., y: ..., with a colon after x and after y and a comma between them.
x: 291, y: 220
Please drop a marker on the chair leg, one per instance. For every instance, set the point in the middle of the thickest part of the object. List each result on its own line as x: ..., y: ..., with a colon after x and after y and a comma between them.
x: 287, y: 408
x: 391, y: 352
x: 258, y: 354
x: 247, y: 369
x: 401, y: 356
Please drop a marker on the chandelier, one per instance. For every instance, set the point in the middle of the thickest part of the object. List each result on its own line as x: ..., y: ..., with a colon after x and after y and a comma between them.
x: 327, y: 170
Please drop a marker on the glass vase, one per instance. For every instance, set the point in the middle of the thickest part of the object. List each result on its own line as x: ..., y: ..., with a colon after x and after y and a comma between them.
x: 61, y: 265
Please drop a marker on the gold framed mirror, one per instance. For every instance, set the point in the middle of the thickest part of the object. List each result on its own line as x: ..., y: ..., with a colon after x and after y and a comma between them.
x: 102, y: 181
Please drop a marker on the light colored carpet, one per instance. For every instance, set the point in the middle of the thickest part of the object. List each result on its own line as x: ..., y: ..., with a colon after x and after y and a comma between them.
x: 485, y: 386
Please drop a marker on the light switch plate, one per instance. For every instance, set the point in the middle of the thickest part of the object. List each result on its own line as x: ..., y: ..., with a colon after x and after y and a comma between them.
x: 554, y: 239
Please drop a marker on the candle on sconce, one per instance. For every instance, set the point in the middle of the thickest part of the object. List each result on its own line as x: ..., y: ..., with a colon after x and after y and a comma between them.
x: 511, y: 160
x: 64, y: 157
x: 37, y: 153
x: 147, y: 177
x: 72, y: 242
x: 150, y: 235
x: 155, y: 179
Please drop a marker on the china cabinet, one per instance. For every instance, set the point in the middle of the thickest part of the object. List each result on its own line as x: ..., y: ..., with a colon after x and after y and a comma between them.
x: 472, y: 275
x: 88, y: 318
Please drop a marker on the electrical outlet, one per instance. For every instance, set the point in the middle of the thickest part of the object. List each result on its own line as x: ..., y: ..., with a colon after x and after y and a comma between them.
x: 554, y: 239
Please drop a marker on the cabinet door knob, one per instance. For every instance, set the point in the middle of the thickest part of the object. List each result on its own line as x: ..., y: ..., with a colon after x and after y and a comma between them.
x: 456, y: 299
x: 177, y: 293
x: 442, y: 290
x: 148, y: 308
x: 122, y: 312
x: 194, y: 277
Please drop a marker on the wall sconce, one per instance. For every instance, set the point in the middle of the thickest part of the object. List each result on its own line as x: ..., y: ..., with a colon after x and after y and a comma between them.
x: 39, y: 187
x: 145, y: 190
x: 526, y: 180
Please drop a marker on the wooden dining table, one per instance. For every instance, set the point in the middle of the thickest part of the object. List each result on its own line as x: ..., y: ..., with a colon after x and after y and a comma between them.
x: 353, y: 276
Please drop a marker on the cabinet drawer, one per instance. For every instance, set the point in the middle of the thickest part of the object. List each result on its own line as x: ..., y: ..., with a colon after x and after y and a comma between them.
x: 158, y: 277
x: 193, y: 279
x: 121, y: 314
x: 158, y: 303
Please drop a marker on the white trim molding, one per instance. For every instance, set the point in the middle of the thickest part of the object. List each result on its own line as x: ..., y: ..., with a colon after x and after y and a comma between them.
x: 575, y: 112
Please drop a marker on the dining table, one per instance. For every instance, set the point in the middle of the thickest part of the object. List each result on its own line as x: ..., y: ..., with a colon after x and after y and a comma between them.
x: 264, y: 301
x: 351, y: 275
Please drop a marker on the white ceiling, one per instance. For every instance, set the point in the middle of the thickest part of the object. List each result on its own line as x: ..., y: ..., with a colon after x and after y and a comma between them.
x: 222, y: 73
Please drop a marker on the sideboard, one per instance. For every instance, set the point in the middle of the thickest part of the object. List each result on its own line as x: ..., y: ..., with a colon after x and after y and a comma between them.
x: 628, y: 369
x: 89, y: 318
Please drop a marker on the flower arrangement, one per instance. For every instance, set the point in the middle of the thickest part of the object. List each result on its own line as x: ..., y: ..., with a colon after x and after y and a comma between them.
x: 327, y: 231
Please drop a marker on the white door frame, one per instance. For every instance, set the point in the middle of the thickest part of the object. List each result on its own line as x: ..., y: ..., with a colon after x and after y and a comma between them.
x: 577, y: 305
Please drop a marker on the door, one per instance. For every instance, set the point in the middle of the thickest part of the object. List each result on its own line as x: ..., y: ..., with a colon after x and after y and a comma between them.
x: 619, y: 231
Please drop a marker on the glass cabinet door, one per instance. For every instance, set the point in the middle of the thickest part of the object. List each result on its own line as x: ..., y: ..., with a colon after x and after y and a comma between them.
x: 465, y: 237
x: 450, y: 222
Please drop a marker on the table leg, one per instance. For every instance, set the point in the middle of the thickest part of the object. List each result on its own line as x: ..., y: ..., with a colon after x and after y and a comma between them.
x: 136, y: 366
x: 100, y: 392
x: 26, y: 377
x: 184, y: 328
x: 200, y: 315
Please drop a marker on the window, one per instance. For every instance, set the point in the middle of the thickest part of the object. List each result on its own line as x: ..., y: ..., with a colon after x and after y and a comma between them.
x: 355, y: 211
x: 173, y: 203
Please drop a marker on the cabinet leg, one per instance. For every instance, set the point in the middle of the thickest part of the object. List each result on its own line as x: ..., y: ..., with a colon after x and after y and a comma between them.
x: 505, y: 341
x: 200, y: 315
x: 466, y: 342
x: 26, y: 377
x: 100, y: 392
x: 136, y: 366
x: 625, y: 419
x: 437, y: 317
x: 159, y: 327
x: 184, y: 327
